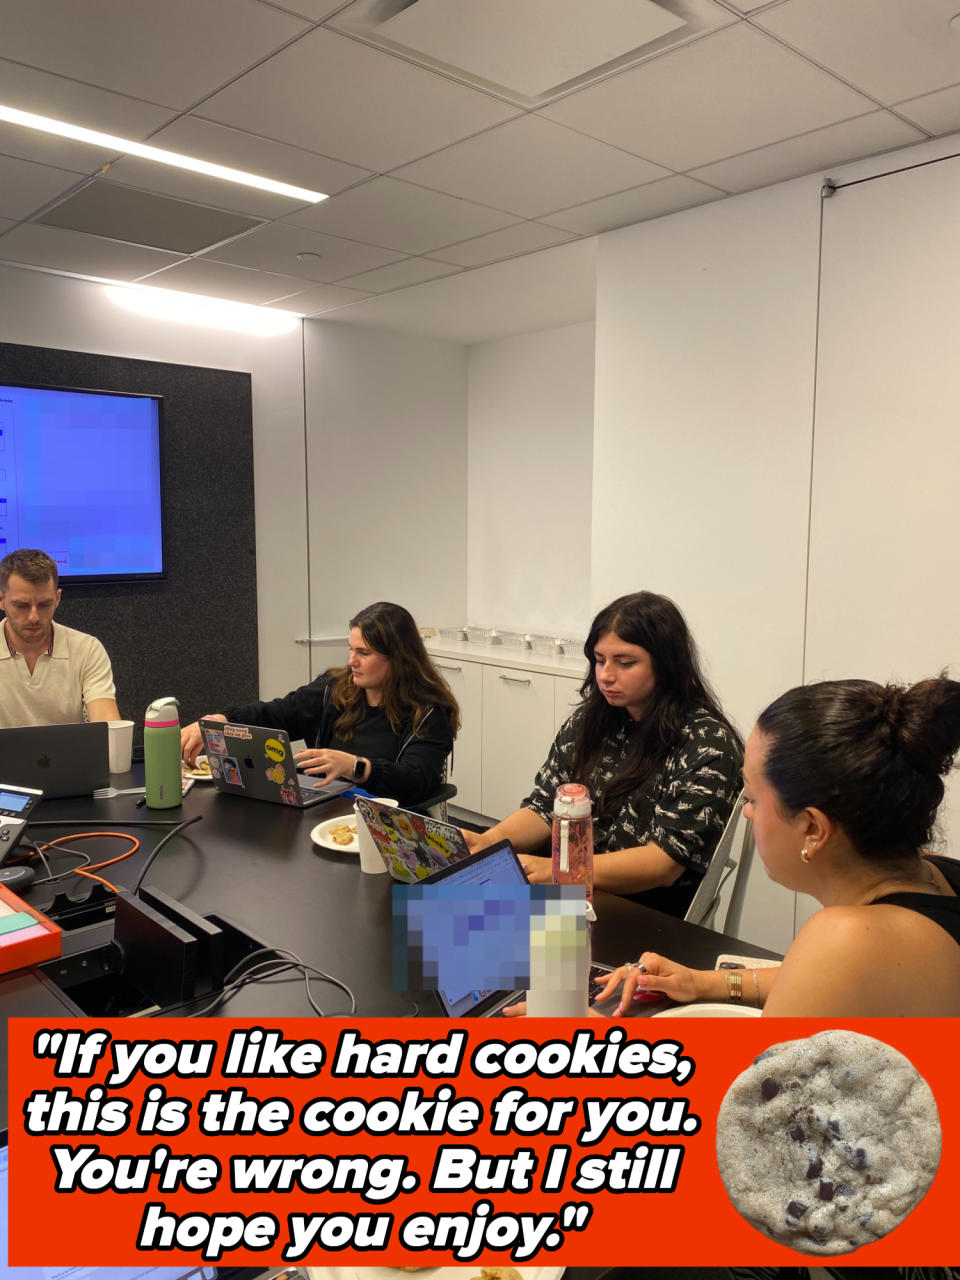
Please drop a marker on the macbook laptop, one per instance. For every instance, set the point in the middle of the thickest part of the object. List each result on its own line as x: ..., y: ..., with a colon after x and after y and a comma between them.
x: 248, y: 760
x: 412, y: 845
x: 497, y: 865
x: 57, y: 759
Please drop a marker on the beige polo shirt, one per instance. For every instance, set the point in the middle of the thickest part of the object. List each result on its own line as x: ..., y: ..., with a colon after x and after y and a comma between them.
x: 63, y: 682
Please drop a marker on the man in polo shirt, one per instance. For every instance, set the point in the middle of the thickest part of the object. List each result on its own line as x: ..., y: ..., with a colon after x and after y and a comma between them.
x: 48, y: 674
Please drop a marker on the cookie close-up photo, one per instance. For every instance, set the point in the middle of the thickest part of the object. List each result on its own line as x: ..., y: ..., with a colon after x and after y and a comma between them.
x: 826, y: 1144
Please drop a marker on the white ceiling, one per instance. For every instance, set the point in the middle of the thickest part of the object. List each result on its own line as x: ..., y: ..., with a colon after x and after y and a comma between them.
x: 456, y: 207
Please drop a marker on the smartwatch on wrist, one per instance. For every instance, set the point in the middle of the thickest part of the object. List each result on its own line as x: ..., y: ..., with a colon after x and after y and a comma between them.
x: 358, y: 765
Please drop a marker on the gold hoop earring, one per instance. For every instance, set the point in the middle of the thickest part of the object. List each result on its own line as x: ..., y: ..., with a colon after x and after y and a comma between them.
x: 804, y: 854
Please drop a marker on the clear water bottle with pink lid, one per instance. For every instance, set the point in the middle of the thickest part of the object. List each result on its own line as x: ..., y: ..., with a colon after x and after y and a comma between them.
x: 573, y: 836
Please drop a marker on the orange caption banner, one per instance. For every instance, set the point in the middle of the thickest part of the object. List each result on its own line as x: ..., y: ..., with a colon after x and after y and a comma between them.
x: 424, y: 1142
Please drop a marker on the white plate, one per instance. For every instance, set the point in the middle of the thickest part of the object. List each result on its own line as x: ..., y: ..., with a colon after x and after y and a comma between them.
x: 707, y: 1010
x: 428, y: 1273
x: 195, y: 774
x: 321, y: 835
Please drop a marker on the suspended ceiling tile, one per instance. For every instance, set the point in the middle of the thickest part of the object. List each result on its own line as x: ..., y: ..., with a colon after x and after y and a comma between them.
x: 532, y: 47
x: 530, y: 166
x: 171, y: 52
x: 221, y: 145
x: 140, y: 217
x: 313, y: 10
x: 275, y: 248
x: 49, y: 95
x: 400, y: 275
x: 26, y: 187
x: 522, y: 237
x: 81, y: 254
x: 894, y: 50
x: 732, y: 91
x: 324, y: 297
x: 936, y: 112
x: 221, y: 280
x: 333, y: 95
x: 398, y: 215
x: 538, y: 291
x: 865, y: 136
x: 650, y: 201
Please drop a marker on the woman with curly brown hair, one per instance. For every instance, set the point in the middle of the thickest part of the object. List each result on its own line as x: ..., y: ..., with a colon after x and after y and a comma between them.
x: 386, y: 721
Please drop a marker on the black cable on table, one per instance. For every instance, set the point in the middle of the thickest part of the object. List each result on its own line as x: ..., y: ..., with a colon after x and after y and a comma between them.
x: 169, y: 836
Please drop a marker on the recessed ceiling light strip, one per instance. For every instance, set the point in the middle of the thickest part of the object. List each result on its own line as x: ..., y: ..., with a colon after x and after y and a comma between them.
x: 211, y: 313
x: 126, y: 146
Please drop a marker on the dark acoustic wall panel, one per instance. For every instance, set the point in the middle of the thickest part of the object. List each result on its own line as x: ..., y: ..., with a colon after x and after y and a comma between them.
x: 194, y: 634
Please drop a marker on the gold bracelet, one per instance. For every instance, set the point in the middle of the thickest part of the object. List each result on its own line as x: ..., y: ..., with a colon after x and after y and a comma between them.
x: 756, y: 986
x: 734, y: 986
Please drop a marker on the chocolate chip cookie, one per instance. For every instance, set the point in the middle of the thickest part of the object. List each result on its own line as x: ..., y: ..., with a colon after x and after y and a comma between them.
x: 826, y: 1144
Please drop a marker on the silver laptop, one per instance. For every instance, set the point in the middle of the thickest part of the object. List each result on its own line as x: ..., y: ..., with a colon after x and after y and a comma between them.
x: 498, y: 865
x: 57, y: 759
x: 249, y: 760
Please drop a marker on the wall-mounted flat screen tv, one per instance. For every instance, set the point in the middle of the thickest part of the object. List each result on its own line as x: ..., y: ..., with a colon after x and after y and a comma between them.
x: 80, y: 478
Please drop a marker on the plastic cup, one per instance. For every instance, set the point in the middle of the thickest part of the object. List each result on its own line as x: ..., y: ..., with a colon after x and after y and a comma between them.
x: 121, y: 745
x: 370, y: 859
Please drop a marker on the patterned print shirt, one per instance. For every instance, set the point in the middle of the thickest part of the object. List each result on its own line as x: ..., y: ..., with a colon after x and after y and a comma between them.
x: 682, y: 810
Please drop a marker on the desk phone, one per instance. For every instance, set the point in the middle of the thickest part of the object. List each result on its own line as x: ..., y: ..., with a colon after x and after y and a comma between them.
x: 16, y: 805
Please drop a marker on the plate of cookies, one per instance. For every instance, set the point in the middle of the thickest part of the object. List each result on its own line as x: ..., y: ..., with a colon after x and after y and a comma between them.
x: 337, y: 833
x: 199, y: 771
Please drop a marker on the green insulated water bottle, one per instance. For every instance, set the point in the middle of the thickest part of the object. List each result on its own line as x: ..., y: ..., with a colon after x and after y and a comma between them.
x: 161, y: 754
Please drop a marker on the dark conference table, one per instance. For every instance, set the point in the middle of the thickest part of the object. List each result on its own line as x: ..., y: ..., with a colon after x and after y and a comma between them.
x: 254, y: 865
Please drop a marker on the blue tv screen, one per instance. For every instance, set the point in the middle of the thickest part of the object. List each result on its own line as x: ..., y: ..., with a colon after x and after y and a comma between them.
x: 80, y: 478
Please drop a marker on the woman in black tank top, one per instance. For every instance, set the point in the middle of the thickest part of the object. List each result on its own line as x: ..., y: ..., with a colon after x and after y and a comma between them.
x: 843, y: 780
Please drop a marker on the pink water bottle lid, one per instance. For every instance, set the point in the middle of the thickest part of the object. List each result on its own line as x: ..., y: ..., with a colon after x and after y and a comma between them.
x: 572, y: 800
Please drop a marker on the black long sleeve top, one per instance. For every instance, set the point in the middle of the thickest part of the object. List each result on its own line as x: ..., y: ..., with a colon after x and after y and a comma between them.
x: 406, y: 766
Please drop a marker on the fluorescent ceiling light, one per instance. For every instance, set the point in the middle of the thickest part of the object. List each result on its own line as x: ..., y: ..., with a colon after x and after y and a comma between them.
x: 194, y: 308
x: 126, y: 146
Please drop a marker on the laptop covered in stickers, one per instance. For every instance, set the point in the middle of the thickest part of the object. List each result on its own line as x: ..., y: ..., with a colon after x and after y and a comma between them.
x: 412, y: 845
x: 249, y: 760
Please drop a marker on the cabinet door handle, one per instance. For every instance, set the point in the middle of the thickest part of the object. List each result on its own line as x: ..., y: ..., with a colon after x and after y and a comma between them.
x: 514, y: 680
x: 442, y: 666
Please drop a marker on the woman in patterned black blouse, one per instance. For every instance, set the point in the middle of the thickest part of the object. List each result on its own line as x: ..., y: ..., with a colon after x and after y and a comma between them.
x: 660, y: 758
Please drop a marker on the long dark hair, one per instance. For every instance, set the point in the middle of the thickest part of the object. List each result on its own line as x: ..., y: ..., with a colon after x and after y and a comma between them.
x: 872, y: 757
x: 412, y: 686
x: 656, y: 624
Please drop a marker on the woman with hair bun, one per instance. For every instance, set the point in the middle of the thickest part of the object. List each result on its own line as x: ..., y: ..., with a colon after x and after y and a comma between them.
x: 843, y: 780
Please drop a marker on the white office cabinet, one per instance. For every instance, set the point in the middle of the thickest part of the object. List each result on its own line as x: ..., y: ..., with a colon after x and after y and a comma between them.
x: 518, y: 715
x: 566, y: 696
x: 466, y: 683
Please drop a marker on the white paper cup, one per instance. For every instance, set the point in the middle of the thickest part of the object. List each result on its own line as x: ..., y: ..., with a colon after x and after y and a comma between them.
x: 370, y: 859
x: 121, y: 745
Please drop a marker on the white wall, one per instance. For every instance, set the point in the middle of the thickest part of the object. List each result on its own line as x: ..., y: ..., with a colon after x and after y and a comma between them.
x: 530, y: 470
x: 705, y: 362
x: 706, y: 326
x: 884, y: 602
x: 387, y: 471
x: 54, y: 311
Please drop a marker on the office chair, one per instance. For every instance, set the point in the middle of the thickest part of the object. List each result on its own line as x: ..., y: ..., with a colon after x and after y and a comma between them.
x: 732, y: 857
x: 435, y: 806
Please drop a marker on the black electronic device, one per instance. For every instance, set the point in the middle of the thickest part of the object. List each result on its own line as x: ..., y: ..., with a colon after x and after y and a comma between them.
x: 17, y: 879
x: 16, y: 805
